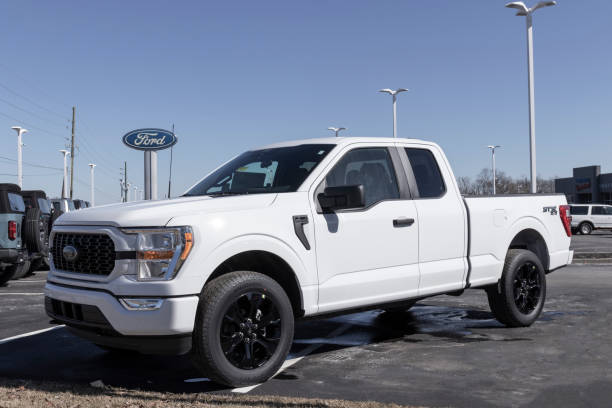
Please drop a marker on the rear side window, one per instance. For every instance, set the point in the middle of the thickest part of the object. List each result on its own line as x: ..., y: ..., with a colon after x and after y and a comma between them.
x: 56, y: 206
x: 16, y: 202
x: 597, y: 210
x: 579, y: 210
x: 44, y: 206
x: 426, y: 172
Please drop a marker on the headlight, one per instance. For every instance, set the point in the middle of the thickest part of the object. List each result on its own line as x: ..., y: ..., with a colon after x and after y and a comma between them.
x: 160, y: 252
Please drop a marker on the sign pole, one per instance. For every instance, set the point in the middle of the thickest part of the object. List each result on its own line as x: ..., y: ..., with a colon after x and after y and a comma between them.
x: 153, y: 161
x: 147, y: 174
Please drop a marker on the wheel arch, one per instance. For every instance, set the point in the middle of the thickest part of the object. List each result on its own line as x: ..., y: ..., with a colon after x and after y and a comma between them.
x: 269, y: 257
x: 532, y: 240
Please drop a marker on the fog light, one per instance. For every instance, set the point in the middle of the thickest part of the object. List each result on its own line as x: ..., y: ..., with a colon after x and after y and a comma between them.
x: 141, y: 304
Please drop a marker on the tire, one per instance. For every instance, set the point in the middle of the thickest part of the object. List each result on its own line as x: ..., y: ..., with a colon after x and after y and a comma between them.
x: 585, y: 228
x: 7, y: 274
x: 518, y: 299
x: 404, y: 308
x: 35, y: 265
x: 222, y: 312
x: 22, y: 270
x: 35, y: 232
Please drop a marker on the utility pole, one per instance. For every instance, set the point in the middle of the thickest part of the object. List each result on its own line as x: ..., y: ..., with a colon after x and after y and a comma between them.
x: 170, y: 176
x: 72, y: 154
x: 493, y: 147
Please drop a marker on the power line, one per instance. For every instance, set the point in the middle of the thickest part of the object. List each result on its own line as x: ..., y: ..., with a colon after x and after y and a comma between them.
x: 30, y: 112
x: 31, y: 125
x: 32, y: 164
x: 33, y: 103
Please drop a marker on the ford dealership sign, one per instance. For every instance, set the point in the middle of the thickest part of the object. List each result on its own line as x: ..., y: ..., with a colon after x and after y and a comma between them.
x: 149, y: 139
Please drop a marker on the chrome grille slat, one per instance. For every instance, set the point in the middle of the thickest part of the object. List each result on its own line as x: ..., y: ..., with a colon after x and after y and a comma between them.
x: 96, y: 253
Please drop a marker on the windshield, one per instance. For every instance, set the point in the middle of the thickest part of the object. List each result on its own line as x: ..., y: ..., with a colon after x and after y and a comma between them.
x: 277, y: 170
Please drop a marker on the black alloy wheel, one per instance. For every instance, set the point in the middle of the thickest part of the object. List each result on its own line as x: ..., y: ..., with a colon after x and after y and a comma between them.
x: 518, y: 298
x: 250, y: 330
x: 527, y: 288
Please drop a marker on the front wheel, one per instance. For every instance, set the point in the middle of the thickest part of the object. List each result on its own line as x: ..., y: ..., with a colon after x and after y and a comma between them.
x: 243, y: 329
x: 518, y: 299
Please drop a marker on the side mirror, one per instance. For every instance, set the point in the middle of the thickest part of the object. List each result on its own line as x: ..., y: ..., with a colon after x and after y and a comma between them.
x: 341, y: 198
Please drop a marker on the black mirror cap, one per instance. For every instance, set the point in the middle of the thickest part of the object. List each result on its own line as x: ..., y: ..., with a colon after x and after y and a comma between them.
x: 342, y: 198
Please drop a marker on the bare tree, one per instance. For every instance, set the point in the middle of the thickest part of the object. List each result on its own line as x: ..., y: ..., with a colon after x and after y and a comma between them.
x: 504, y: 184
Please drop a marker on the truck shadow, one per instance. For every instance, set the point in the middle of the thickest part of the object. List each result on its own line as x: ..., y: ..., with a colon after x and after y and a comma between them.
x: 59, y: 356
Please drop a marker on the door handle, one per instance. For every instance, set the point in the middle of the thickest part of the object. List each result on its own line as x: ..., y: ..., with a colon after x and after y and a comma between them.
x: 403, y: 222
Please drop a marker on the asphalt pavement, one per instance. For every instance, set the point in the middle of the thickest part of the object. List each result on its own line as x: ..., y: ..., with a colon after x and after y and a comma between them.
x: 446, y: 351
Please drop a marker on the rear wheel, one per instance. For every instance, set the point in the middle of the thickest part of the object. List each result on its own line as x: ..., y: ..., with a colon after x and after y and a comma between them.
x: 519, y: 297
x: 22, y: 270
x: 243, y: 329
x: 585, y: 228
x: 7, y: 274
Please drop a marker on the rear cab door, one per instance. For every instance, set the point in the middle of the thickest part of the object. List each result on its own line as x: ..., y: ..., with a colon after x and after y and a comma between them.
x: 442, y: 218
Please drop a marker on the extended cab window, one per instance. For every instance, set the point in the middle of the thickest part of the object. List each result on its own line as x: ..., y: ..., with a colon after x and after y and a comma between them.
x: 579, y: 209
x: 370, y: 167
x: 275, y: 170
x: 426, y: 172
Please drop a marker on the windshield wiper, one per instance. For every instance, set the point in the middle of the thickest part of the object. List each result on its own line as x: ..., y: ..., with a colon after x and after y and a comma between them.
x: 225, y: 193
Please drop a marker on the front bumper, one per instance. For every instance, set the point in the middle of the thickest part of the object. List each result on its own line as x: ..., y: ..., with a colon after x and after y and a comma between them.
x: 175, y: 317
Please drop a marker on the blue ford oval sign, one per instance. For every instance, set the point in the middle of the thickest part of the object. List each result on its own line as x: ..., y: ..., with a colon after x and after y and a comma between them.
x: 149, y: 139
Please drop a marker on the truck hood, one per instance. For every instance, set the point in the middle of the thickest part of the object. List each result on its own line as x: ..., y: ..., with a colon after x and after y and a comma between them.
x: 159, y: 213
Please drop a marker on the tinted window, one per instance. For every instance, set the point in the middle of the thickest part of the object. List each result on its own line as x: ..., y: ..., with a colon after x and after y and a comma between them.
x: 579, y: 210
x: 43, y: 204
x: 70, y: 205
x: 276, y: 170
x: 56, y: 205
x: 371, y: 168
x: 597, y: 210
x: 28, y: 202
x: 426, y: 172
x: 16, y: 202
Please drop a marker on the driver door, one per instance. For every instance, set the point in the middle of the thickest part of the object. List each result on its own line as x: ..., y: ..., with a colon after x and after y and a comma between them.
x: 367, y: 255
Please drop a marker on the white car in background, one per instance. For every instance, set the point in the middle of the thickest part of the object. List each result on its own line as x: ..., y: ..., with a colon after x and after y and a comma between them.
x: 588, y: 217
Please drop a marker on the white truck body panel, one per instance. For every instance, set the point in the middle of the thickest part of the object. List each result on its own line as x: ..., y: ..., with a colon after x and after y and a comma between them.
x: 357, y: 258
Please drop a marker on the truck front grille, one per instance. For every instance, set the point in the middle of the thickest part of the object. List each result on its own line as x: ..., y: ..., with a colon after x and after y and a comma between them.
x: 95, y: 253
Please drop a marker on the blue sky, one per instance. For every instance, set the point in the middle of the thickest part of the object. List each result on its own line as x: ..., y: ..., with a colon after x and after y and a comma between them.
x: 233, y: 75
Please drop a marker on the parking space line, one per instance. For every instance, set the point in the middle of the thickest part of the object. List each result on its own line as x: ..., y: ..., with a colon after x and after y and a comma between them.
x: 288, y: 363
x: 20, y: 336
x: 20, y: 294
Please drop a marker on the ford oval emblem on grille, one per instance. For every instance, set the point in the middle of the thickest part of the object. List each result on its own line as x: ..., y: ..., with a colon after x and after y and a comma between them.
x: 70, y: 253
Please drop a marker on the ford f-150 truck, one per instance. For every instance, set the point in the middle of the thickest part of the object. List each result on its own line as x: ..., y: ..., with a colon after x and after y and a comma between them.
x: 296, y: 229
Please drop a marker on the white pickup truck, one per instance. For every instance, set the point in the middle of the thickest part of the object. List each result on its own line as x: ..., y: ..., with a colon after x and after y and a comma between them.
x: 302, y: 228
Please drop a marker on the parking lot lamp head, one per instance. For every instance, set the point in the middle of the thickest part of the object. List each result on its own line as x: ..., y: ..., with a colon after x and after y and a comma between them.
x: 393, y: 93
x: 336, y: 129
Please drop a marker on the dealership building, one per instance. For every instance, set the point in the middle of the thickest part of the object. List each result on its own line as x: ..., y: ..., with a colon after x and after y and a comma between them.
x: 587, y: 185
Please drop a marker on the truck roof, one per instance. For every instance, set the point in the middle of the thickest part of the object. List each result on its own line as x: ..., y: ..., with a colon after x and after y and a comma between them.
x: 342, y: 141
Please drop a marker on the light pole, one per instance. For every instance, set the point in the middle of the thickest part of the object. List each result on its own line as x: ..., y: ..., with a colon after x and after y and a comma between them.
x: 91, y: 182
x: 66, y: 153
x: 523, y: 10
x: 135, y: 193
x: 394, y: 95
x: 493, y: 147
x: 336, y: 129
x: 20, y: 131
x: 127, y: 192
